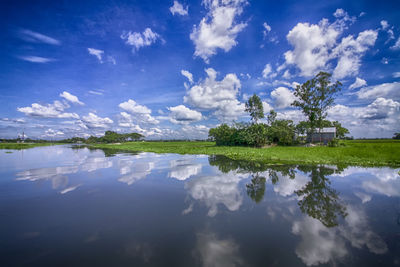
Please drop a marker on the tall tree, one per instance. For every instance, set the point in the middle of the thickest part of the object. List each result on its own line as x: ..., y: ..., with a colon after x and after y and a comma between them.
x: 255, y: 108
x: 315, y: 96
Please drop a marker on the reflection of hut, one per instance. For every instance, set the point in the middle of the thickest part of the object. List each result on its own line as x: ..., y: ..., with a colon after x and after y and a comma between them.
x: 324, y: 135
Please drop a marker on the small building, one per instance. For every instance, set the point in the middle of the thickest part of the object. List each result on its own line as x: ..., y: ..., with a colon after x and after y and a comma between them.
x: 323, y: 136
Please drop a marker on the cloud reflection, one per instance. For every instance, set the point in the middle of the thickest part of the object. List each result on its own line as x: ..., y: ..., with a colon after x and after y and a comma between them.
x: 215, y: 190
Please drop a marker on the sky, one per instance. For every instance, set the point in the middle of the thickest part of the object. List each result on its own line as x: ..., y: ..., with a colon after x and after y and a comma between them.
x: 175, y: 69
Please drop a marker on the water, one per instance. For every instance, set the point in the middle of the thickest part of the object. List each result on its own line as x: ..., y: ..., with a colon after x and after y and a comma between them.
x: 61, y: 206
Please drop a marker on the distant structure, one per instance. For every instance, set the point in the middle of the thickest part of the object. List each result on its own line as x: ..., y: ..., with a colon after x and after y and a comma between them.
x: 323, y: 136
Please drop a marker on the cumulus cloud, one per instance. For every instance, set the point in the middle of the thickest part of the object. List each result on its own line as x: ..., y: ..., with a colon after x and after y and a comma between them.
x: 312, y: 44
x: 220, y: 96
x: 380, y: 118
x: 36, y: 59
x: 97, y: 53
x: 396, y: 74
x: 391, y: 90
x: 350, y: 51
x: 183, y: 115
x: 138, y: 113
x: 36, y: 37
x: 71, y: 98
x: 219, y: 29
x: 139, y: 40
x: 358, y: 83
x: 92, y: 121
x: 133, y: 107
x: 178, y: 8
x: 55, y: 110
x: 315, y: 45
x: 283, y: 97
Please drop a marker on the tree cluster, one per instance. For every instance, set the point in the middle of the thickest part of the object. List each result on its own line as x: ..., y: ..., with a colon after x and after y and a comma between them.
x: 109, y: 137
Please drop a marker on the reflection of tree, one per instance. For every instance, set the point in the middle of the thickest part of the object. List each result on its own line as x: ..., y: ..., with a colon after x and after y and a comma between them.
x: 319, y: 200
x: 256, y: 189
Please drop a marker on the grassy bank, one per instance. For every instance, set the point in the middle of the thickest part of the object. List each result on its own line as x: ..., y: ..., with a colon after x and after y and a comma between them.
x: 359, y: 153
x: 22, y: 145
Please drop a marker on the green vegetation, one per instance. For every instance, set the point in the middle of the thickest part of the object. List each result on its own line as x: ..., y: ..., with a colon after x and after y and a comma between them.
x: 357, y: 152
x: 22, y: 145
x: 315, y: 96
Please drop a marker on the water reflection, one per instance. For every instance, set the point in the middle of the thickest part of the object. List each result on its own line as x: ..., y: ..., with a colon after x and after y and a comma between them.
x: 318, y: 199
x: 215, y: 190
x: 168, y: 209
x: 213, y: 251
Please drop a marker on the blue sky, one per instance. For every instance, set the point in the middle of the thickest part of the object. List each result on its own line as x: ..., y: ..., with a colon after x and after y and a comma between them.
x: 173, y: 69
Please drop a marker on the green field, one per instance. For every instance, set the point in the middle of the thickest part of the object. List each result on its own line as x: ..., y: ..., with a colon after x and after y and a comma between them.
x: 357, y: 152
x: 22, y: 145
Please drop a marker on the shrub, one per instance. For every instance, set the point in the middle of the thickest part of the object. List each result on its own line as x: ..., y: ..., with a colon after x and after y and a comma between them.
x: 333, y: 143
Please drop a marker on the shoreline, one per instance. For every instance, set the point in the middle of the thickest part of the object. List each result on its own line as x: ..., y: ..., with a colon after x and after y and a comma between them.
x: 365, y: 153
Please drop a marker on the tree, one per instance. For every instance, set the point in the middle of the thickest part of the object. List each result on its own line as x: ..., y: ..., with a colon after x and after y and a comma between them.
x: 396, y: 136
x: 271, y: 117
x: 255, y: 108
x: 315, y: 96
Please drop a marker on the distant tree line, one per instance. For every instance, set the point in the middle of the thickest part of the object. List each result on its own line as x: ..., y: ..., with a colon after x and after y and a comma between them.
x: 109, y: 137
x: 314, y: 97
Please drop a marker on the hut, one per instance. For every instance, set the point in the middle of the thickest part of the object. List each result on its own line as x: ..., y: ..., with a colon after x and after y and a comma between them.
x: 323, y: 135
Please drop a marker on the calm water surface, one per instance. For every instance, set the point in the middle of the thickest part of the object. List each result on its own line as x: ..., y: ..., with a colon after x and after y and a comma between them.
x: 63, y: 206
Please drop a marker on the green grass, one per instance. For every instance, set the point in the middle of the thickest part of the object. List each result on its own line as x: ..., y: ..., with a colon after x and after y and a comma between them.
x: 364, y: 153
x: 22, y: 145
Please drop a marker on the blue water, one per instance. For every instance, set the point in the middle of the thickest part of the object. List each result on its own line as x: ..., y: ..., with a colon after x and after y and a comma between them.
x: 63, y: 206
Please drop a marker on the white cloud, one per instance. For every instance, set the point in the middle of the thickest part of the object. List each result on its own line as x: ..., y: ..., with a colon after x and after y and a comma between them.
x: 396, y: 74
x: 36, y: 37
x: 283, y: 97
x: 386, y: 27
x: 97, y: 53
x: 358, y: 83
x: 396, y: 46
x: 53, y: 133
x: 220, y: 96
x: 36, y: 59
x: 178, y: 8
x: 94, y: 121
x: 139, y: 113
x: 384, y: 24
x: 183, y: 115
x: 391, y: 90
x: 316, y: 45
x: 267, y: 72
x: 380, y: 118
x: 350, y: 51
x: 267, y: 29
x: 55, y: 110
x: 134, y: 108
x: 312, y: 44
x: 139, y: 40
x: 188, y: 75
x: 71, y: 98
x: 218, y: 30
